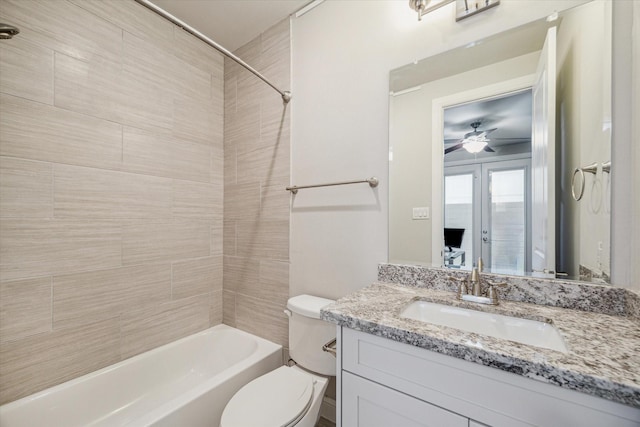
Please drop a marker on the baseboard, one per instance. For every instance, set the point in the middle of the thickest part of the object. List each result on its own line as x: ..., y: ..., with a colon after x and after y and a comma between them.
x: 328, y: 409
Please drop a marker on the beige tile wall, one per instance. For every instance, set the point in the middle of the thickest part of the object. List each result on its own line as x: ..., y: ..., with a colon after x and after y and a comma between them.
x: 111, y: 190
x: 256, y: 171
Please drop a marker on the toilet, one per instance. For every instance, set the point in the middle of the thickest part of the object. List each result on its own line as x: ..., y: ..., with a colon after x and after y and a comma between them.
x: 290, y: 395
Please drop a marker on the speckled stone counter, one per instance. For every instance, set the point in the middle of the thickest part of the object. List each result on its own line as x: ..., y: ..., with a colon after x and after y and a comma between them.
x: 604, y: 350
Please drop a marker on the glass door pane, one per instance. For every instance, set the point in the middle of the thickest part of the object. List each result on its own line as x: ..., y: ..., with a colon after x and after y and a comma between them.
x: 458, y: 218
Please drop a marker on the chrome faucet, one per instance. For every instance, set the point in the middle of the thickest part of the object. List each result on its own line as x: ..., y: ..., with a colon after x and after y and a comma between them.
x: 473, y: 290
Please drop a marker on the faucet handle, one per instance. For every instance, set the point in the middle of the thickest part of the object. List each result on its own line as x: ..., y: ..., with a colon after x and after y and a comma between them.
x: 492, y: 292
x: 462, y: 285
x: 496, y: 283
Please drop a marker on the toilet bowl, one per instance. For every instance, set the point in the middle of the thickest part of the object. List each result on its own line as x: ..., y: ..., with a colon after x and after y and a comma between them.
x: 290, y: 395
x: 287, y: 396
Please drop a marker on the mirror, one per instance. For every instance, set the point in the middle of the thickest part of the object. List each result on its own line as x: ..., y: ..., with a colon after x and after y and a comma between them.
x: 484, y: 142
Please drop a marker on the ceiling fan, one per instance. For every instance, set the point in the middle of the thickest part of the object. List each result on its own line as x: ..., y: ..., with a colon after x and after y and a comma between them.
x: 474, y: 141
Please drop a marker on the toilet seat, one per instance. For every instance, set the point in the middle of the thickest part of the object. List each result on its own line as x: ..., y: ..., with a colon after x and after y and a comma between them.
x: 279, y: 399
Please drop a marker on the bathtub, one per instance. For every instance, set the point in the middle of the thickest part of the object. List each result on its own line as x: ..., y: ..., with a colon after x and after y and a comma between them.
x: 184, y: 383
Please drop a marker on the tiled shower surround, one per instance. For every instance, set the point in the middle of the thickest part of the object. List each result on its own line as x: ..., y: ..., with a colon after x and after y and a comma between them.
x: 256, y: 172
x: 113, y: 171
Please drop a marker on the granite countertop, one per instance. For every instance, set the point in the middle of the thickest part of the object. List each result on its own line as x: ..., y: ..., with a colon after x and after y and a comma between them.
x: 604, y: 350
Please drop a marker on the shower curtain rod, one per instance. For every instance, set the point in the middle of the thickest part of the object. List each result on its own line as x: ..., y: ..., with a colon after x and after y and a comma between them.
x: 286, y: 95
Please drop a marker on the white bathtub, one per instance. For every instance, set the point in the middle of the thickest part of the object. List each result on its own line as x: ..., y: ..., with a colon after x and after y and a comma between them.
x: 184, y: 383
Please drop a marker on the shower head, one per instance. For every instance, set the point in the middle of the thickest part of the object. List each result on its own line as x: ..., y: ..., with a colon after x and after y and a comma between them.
x: 7, y: 31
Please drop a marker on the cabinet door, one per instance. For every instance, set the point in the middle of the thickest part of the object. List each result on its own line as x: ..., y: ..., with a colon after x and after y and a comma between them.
x: 368, y: 404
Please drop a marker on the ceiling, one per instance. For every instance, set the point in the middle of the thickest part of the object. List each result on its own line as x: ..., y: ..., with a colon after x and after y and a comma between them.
x: 231, y: 23
x: 511, y: 115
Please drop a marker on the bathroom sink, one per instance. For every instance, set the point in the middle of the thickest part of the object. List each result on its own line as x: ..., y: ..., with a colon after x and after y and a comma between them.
x: 524, y: 331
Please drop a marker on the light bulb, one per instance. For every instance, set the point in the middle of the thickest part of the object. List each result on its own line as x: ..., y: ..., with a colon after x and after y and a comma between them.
x: 475, y: 145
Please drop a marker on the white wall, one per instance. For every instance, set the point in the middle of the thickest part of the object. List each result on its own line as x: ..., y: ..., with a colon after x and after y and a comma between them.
x: 635, y: 280
x: 625, y: 175
x: 342, y: 54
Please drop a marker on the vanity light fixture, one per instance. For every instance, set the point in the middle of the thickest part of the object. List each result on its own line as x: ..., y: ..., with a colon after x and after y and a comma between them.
x: 425, y: 6
x: 467, y: 8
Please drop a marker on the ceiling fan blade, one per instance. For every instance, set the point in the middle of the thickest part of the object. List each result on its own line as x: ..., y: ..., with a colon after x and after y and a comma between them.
x: 488, y: 131
x: 454, y: 148
x: 489, y: 149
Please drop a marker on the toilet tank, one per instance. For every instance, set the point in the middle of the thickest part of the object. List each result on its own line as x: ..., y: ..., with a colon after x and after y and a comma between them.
x: 307, y: 334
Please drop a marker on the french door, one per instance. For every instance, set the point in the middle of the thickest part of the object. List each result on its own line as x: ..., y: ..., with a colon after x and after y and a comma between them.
x: 492, y: 202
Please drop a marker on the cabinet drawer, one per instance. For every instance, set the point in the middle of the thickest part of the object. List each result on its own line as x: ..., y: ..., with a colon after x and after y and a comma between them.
x: 367, y: 404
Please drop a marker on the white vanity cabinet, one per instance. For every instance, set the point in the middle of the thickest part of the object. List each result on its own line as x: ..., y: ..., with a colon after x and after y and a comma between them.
x: 370, y: 404
x: 390, y: 384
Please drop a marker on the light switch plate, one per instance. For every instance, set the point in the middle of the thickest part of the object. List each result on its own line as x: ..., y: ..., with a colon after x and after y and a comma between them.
x: 420, y: 213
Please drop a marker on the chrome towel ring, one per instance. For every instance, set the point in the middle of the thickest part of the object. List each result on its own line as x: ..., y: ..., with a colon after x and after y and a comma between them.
x: 592, y: 168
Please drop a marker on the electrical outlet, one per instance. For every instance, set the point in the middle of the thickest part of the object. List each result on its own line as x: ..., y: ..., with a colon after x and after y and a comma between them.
x: 421, y: 213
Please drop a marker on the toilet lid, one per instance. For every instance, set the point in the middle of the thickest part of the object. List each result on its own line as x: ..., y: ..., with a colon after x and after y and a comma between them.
x: 276, y: 399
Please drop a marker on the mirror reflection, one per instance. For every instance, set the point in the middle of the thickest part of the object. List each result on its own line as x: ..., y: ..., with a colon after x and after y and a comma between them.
x: 493, y: 163
x: 484, y: 141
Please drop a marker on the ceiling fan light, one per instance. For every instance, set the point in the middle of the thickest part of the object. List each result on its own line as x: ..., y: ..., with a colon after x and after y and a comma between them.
x: 475, y: 145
